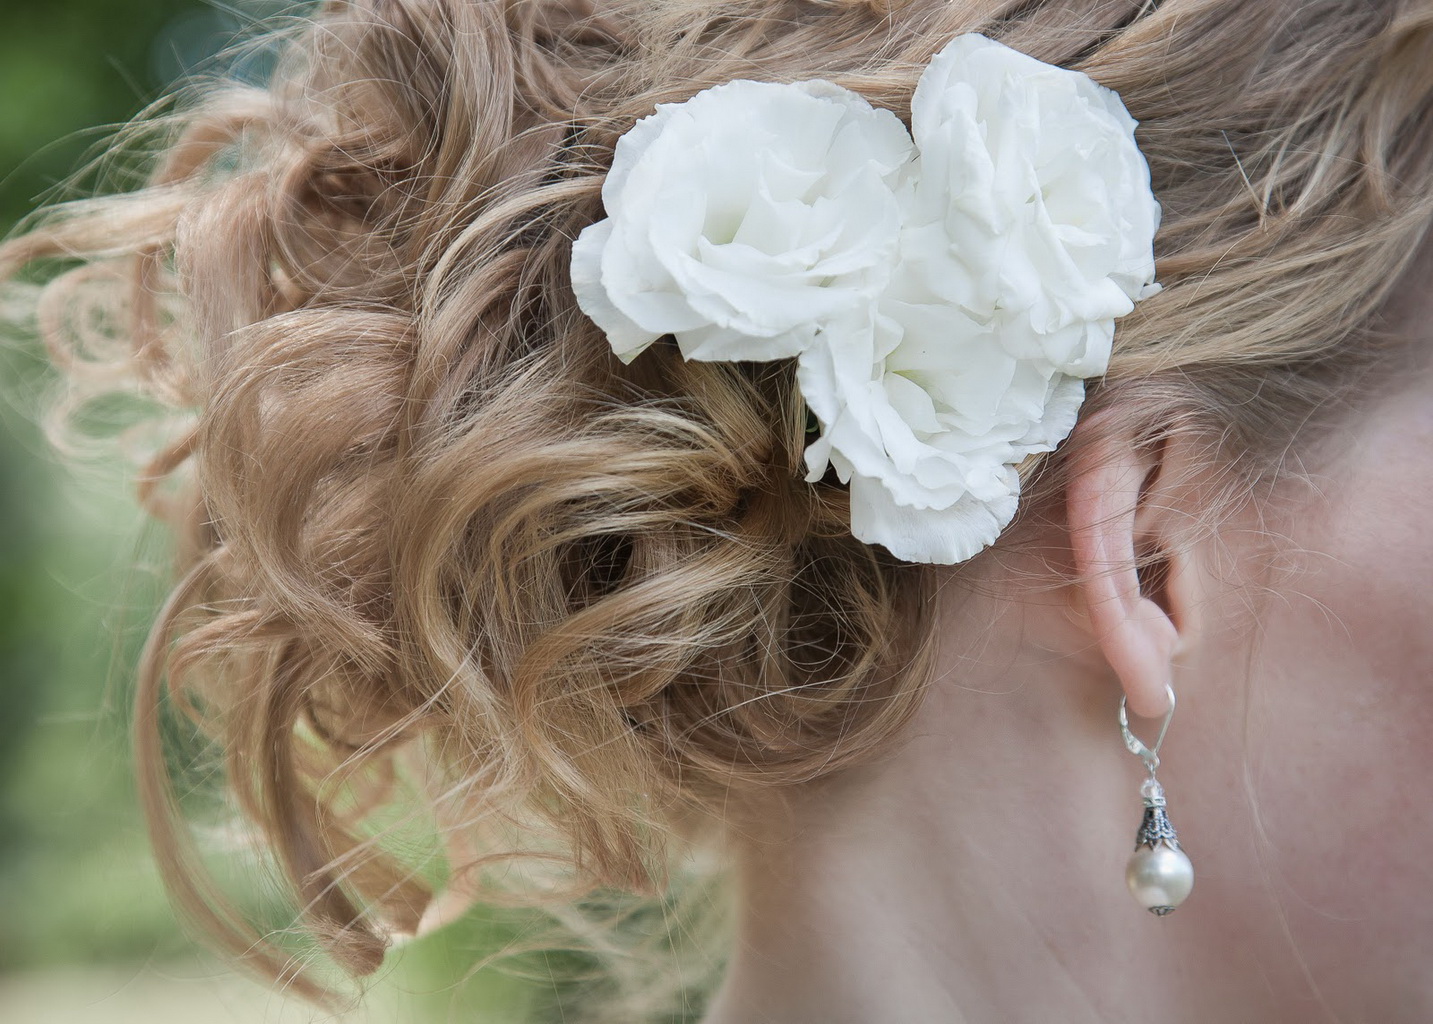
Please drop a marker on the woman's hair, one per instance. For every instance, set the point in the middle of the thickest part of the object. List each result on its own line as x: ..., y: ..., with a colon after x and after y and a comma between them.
x: 438, y: 548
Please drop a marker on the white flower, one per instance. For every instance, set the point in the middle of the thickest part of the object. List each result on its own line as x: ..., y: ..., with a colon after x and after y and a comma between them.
x: 1032, y: 204
x: 742, y: 220
x: 1028, y: 228
x: 945, y: 299
x: 925, y: 414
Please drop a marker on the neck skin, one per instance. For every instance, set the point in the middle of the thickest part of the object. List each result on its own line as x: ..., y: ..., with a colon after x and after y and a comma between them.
x: 977, y: 873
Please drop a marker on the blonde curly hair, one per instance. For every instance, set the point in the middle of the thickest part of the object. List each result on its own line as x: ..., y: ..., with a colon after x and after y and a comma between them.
x: 434, y: 537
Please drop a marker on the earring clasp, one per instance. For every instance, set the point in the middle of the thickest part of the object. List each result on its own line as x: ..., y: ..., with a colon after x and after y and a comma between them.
x: 1136, y: 746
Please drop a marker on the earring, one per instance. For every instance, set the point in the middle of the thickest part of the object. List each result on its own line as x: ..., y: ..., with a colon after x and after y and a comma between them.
x: 1159, y: 874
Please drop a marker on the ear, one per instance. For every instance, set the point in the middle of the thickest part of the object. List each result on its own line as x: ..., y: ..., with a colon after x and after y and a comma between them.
x: 1127, y: 514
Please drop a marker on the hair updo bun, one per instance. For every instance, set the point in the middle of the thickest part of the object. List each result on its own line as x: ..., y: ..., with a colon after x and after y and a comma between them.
x: 435, y: 537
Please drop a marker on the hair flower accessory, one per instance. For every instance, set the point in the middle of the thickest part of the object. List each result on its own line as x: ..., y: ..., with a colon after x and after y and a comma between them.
x: 945, y: 291
x: 743, y: 219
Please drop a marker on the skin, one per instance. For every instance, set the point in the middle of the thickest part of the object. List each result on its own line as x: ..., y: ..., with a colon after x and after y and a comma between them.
x: 976, y: 874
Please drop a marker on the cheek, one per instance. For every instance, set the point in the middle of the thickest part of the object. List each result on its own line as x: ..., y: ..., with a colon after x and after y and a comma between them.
x: 1339, y: 725
x: 1339, y: 728
x: 1365, y: 600
x: 1356, y: 620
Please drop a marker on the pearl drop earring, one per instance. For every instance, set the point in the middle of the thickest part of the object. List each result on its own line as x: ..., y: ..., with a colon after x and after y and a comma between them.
x: 1159, y: 875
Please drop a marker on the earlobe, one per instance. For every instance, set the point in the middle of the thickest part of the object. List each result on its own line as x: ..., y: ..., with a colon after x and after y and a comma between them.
x: 1111, y: 482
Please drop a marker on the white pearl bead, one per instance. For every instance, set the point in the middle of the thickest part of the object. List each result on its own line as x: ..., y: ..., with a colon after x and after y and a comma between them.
x: 1159, y: 878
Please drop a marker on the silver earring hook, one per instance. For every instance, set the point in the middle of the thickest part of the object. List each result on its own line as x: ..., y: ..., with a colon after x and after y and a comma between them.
x: 1149, y: 755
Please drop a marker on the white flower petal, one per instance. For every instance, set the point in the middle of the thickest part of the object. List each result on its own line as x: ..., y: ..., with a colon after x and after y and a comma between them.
x: 1062, y: 408
x: 935, y: 536
x: 744, y: 219
x: 724, y: 344
x: 627, y: 339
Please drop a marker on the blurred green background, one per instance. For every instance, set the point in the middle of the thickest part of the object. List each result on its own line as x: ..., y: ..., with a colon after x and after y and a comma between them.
x: 85, y: 931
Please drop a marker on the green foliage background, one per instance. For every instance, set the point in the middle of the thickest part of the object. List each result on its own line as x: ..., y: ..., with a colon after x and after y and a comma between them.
x: 77, y: 885
x: 74, y: 884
